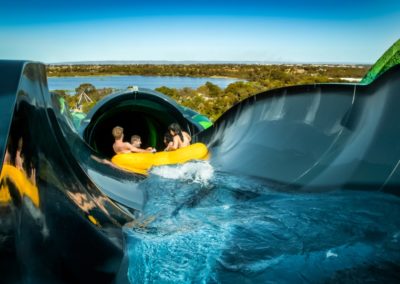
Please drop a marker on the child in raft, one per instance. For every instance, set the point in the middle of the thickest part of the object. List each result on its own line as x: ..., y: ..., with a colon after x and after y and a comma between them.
x: 121, y: 147
x: 136, y: 141
x: 180, y: 138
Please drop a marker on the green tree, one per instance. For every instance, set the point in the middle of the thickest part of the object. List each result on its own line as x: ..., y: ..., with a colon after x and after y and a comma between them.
x: 85, y: 87
x: 240, y: 90
x: 170, y: 92
x: 213, y: 90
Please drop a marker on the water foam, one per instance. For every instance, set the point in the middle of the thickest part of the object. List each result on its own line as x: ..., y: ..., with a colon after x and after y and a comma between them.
x: 197, y: 172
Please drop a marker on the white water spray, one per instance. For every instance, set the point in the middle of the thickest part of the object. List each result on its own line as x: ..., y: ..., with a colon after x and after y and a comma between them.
x: 196, y: 172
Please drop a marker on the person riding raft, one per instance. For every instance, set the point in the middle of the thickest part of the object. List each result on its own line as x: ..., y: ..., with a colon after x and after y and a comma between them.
x: 180, y: 138
x: 178, y: 151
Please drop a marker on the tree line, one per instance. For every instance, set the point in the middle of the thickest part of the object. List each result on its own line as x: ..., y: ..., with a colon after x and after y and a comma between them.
x: 210, y: 99
x: 250, y: 72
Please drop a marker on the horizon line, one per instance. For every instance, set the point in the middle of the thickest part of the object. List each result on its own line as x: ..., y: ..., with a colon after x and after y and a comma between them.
x: 205, y: 62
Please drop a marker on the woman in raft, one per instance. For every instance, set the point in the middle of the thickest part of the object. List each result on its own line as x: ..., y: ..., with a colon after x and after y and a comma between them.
x: 180, y: 138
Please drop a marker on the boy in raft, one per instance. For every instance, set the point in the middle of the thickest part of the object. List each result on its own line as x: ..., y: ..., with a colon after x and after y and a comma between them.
x: 180, y: 138
x: 136, y: 141
x: 121, y: 147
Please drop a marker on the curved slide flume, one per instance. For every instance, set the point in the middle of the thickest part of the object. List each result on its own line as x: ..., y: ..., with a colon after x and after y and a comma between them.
x: 56, y: 225
x: 63, y: 213
x: 314, y: 137
x: 70, y: 230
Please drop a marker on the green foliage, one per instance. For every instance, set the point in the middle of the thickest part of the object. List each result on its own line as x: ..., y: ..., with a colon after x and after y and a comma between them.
x: 173, y: 93
x: 90, y: 90
x: 250, y: 72
x: 86, y: 107
x: 240, y: 90
x: 85, y: 87
x: 209, y: 99
x: 213, y: 90
x: 61, y: 93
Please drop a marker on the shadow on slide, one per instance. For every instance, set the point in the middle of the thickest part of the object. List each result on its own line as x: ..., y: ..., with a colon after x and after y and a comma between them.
x: 63, y: 204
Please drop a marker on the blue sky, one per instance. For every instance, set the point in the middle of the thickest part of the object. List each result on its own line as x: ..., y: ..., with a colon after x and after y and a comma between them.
x: 273, y: 31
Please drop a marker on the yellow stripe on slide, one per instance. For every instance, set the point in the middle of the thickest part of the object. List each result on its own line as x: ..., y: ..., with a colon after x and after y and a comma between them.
x: 142, y: 162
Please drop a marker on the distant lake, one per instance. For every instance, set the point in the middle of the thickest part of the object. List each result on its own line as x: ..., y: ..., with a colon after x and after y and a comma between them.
x: 122, y: 82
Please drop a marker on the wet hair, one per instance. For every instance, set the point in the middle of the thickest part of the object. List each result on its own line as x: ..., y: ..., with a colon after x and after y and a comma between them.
x: 135, y: 138
x: 175, y: 127
x: 168, y: 138
x: 117, y: 132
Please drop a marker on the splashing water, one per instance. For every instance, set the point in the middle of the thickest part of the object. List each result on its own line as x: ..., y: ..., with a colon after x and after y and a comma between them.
x: 201, y: 226
x: 196, y: 172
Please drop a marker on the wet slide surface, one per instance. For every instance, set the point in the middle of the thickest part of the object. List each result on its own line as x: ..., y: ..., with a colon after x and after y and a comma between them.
x: 302, y: 186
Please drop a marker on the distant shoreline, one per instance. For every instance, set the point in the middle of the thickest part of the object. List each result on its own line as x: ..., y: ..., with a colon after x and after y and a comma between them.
x: 246, y: 72
x: 146, y: 75
x: 216, y: 62
x: 266, y: 75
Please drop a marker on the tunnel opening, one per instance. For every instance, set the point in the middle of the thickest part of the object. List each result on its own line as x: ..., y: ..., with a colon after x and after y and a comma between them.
x: 147, y: 114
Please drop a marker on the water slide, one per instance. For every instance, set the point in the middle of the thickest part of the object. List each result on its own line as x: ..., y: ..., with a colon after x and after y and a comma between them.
x: 316, y: 137
x: 63, y: 204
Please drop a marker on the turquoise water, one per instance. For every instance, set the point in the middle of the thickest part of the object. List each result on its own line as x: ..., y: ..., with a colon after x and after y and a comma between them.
x: 203, y: 226
x: 122, y: 82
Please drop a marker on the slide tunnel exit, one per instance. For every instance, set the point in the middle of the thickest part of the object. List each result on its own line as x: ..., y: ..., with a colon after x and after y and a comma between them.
x: 139, y: 111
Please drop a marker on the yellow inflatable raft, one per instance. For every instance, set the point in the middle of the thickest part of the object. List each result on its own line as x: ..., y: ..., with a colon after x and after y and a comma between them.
x: 142, y: 162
